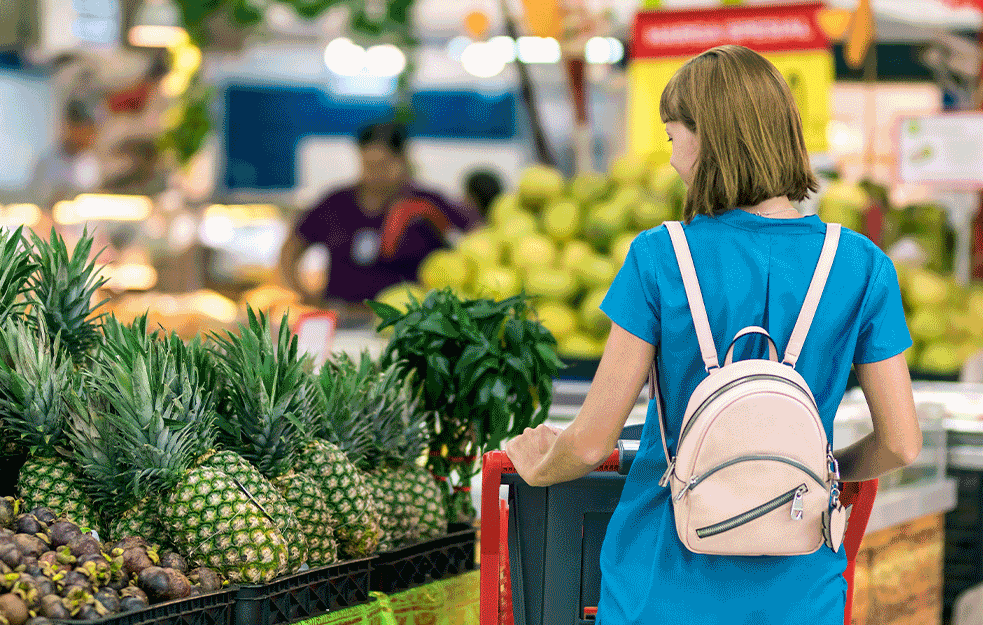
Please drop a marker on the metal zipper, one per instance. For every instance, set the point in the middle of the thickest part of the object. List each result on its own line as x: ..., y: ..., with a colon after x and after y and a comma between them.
x: 794, y: 496
x: 730, y: 385
x: 696, y: 479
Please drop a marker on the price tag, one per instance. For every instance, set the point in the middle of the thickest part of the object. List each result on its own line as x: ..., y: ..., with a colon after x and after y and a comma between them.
x: 315, y: 334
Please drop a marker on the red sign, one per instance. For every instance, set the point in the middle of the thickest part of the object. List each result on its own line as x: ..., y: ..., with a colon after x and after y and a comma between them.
x: 771, y: 28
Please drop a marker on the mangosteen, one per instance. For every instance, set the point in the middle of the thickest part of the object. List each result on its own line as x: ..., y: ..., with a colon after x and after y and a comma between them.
x: 6, y: 535
x: 92, y: 557
x: 73, y: 579
x: 45, y: 515
x: 134, y: 591
x: 173, y: 560
x: 13, y: 608
x: 87, y: 612
x: 31, y: 565
x: 129, y: 542
x: 8, y: 511
x: 53, y: 606
x: 155, y: 582
x: 133, y: 603
x: 97, y: 571
x: 108, y: 598
x: 135, y: 560
x: 30, y: 545
x: 196, y: 591
x: 45, y: 586
x: 64, y: 556
x: 62, y: 532
x: 84, y: 544
x: 39, y: 620
x: 28, y: 524
x: 11, y: 555
x: 206, y: 578
x: 178, y: 584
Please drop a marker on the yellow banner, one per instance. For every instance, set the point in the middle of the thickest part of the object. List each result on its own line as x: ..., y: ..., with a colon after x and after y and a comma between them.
x: 810, y: 75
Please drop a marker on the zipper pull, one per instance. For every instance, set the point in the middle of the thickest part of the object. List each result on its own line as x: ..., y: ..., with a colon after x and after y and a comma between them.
x: 797, y: 504
x: 665, y: 476
x: 833, y: 464
x: 689, y: 485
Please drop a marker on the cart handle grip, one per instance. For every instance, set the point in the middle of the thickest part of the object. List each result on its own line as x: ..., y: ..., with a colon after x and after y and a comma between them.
x: 493, y: 465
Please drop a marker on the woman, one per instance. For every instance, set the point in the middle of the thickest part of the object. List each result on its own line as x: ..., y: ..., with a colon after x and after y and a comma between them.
x: 377, y: 231
x: 744, y: 162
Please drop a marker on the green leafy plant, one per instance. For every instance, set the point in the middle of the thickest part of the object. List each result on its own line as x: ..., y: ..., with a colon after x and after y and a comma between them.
x: 486, y: 370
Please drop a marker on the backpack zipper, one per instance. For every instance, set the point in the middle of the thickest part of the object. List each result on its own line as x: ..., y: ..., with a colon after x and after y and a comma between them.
x: 732, y: 384
x: 794, y: 496
x: 696, y: 479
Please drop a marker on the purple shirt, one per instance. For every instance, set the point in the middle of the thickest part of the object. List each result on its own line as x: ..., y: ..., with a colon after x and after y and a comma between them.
x: 369, y: 254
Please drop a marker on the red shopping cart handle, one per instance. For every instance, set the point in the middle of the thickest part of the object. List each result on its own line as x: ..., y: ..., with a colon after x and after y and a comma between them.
x: 611, y: 464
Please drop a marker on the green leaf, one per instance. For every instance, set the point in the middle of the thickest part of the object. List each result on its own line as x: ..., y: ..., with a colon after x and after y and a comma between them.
x: 439, y: 325
x: 388, y: 314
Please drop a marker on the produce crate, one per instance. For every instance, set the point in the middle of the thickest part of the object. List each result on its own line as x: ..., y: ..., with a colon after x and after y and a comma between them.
x: 214, y: 608
x: 304, y: 595
x: 425, y: 562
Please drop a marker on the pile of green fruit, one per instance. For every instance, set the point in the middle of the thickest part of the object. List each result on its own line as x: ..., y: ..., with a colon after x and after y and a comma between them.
x: 50, y: 569
x: 561, y: 241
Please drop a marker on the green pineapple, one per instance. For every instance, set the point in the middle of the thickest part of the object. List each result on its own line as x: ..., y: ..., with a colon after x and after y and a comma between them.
x: 267, y: 402
x: 63, y: 288
x: 35, y: 378
x: 166, y: 418
x: 16, y: 267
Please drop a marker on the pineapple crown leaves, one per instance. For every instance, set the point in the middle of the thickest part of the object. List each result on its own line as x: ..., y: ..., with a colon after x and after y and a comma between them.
x: 63, y: 287
x: 16, y: 268
x: 35, y: 378
x: 100, y: 452
x: 267, y: 400
x: 158, y: 415
x: 122, y: 342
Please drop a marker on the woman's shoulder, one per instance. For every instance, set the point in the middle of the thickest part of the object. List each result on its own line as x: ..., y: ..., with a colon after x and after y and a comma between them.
x: 860, y: 248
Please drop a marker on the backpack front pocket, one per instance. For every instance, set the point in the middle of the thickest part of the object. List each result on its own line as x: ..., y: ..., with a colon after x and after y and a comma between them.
x: 793, y: 496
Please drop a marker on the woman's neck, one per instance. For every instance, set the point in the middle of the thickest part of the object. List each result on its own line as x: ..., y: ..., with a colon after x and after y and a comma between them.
x: 774, y: 208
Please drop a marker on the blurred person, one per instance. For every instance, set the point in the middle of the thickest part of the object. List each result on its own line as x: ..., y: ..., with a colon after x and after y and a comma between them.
x: 376, y: 231
x: 72, y: 166
x: 744, y: 162
x: 481, y: 187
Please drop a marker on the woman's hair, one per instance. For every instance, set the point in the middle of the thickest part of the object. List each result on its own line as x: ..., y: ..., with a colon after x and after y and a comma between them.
x: 748, y: 128
x: 390, y: 135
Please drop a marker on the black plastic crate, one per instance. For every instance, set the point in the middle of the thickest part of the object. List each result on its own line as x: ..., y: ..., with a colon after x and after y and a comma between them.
x: 425, y: 562
x: 304, y: 595
x: 214, y: 608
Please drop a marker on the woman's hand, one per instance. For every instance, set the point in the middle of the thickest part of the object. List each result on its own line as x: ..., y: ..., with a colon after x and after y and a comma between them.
x: 526, y: 450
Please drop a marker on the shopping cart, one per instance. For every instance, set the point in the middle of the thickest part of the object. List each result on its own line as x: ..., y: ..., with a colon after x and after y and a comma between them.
x: 564, y: 525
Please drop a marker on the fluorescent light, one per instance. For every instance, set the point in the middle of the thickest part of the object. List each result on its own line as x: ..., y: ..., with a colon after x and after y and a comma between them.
x: 21, y: 215
x: 146, y: 36
x: 598, y: 50
x: 480, y: 60
x: 617, y: 50
x: 91, y: 207
x: 130, y: 277
x: 457, y: 46
x: 504, y: 47
x: 385, y: 60
x: 345, y: 58
x: 539, y: 50
x: 217, y: 230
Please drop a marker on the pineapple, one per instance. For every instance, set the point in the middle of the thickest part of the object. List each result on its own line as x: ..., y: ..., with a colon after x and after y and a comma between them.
x: 157, y: 407
x: 267, y: 401
x: 63, y: 289
x: 35, y: 378
x: 16, y: 267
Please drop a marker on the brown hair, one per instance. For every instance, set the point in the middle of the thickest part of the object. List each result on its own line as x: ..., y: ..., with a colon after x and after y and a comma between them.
x: 748, y: 127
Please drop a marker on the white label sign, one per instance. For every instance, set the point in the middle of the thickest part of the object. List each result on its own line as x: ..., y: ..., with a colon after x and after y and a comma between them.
x: 944, y: 150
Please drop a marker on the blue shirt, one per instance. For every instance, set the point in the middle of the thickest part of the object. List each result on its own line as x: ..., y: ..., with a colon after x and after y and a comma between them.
x: 753, y: 271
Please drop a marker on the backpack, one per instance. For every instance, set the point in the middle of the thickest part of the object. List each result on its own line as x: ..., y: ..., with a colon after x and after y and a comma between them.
x: 753, y: 472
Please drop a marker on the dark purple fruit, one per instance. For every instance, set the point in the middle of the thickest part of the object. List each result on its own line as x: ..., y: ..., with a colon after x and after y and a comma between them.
x: 91, y: 557
x: 132, y: 604
x: 206, y: 578
x: 10, y: 554
x: 83, y: 545
x: 173, y: 560
x: 30, y: 545
x: 45, y: 586
x: 64, y: 556
x: 97, y: 571
x: 28, y: 524
x: 62, y: 532
x: 39, y: 620
x: 13, y: 608
x: 155, y: 582
x: 71, y: 580
x: 45, y: 515
x: 53, y: 606
x: 178, y: 584
x: 31, y: 565
x: 196, y: 591
x: 129, y: 542
x: 134, y: 591
x: 135, y: 560
x: 108, y: 598
x: 87, y: 612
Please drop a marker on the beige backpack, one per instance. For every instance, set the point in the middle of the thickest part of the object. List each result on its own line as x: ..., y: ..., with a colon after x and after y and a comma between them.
x: 753, y: 472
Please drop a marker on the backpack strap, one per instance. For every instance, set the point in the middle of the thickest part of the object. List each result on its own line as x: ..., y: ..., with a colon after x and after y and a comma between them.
x: 694, y: 295
x: 813, y: 295
x: 654, y: 394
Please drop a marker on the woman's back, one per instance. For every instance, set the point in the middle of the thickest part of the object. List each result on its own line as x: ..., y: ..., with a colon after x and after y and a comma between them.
x: 752, y: 271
